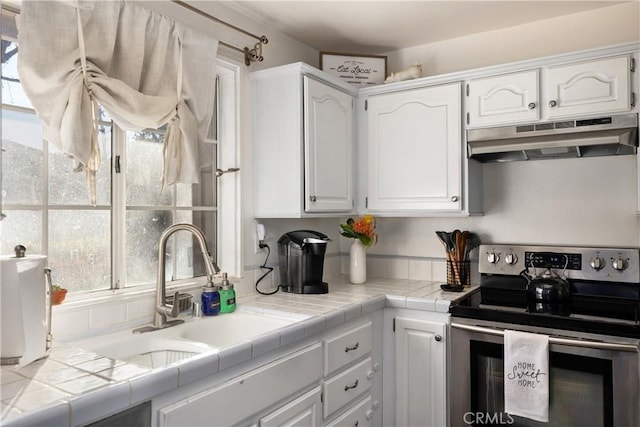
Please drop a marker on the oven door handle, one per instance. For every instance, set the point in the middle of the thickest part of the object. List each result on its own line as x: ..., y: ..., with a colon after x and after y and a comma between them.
x: 599, y: 345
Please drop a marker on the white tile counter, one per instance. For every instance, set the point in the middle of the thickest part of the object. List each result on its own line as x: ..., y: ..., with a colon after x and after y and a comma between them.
x: 73, y: 386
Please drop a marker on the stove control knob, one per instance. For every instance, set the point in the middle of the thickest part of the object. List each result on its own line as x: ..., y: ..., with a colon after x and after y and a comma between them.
x: 493, y: 258
x: 597, y: 263
x: 619, y: 264
x: 511, y: 259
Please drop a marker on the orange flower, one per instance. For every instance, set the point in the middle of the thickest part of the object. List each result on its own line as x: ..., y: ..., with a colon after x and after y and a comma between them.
x: 363, y: 229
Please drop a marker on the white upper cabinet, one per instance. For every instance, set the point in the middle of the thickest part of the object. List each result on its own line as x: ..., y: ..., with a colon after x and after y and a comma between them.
x: 303, y: 143
x: 328, y: 148
x: 503, y: 99
x: 590, y: 87
x: 600, y: 86
x: 414, y: 150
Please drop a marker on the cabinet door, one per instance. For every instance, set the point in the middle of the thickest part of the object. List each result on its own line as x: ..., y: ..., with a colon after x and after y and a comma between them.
x: 508, y: 98
x: 420, y: 373
x: 414, y: 144
x: 239, y: 398
x: 305, y: 411
x: 328, y: 148
x: 600, y: 86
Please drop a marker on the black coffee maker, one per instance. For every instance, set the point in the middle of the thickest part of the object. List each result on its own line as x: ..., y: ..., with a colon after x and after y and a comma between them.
x: 301, y: 261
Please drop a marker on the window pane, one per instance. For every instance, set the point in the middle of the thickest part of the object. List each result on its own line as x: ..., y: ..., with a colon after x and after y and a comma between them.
x: 69, y: 187
x: 143, y: 235
x: 144, y: 170
x: 21, y: 228
x: 12, y: 92
x: 203, y: 194
x: 22, y: 158
x: 80, y: 249
x: 189, y: 260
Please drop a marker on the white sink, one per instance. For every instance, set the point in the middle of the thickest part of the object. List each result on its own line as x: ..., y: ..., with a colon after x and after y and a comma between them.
x: 225, y: 330
x: 180, y: 342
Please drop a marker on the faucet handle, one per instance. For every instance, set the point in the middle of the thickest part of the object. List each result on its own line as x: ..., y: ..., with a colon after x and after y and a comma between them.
x: 175, y: 307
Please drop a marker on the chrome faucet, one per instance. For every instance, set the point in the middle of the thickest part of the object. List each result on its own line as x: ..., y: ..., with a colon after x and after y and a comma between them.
x: 162, y: 309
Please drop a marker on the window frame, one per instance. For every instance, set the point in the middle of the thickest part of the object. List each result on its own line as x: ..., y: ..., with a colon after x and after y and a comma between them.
x: 228, y: 221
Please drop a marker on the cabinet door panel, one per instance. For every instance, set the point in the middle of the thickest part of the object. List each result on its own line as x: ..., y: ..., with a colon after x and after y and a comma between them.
x: 508, y: 98
x: 420, y: 373
x: 600, y: 86
x: 360, y: 415
x: 328, y: 148
x: 241, y: 397
x: 415, y: 149
x: 305, y: 411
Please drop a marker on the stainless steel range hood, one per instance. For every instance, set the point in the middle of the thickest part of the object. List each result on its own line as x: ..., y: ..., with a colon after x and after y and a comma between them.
x: 600, y: 136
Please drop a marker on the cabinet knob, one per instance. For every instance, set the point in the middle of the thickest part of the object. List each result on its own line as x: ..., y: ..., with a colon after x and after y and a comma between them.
x: 532, y: 105
x: 369, y: 375
x: 438, y: 338
x: 313, y: 198
x: 454, y: 198
x: 552, y: 103
x: 369, y: 414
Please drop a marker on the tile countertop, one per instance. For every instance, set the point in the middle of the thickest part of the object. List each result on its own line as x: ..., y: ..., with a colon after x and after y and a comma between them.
x: 73, y: 386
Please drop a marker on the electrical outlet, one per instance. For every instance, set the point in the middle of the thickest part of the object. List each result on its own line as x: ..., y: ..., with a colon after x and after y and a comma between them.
x: 259, y: 236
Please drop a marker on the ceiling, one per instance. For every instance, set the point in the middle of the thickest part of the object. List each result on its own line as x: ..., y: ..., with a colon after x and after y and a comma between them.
x: 373, y: 27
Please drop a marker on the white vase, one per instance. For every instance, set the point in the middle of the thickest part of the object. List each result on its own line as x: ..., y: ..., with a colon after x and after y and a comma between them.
x: 357, y: 263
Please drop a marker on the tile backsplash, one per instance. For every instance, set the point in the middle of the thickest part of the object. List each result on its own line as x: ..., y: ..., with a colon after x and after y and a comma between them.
x: 82, y: 319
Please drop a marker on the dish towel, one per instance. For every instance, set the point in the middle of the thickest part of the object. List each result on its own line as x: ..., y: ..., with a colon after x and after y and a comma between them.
x: 526, y: 375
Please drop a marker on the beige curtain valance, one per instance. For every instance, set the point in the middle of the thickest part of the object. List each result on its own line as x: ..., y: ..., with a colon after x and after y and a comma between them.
x: 144, y: 69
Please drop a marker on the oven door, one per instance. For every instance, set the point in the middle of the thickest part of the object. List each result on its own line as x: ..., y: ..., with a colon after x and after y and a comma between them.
x: 594, y: 379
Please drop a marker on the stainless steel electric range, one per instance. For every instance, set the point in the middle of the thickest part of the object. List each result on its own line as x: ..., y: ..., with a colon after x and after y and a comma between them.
x: 587, y: 300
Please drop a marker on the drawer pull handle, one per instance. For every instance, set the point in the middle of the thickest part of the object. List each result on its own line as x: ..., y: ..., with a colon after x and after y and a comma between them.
x: 350, y: 387
x: 356, y: 423
x: 347, y: 349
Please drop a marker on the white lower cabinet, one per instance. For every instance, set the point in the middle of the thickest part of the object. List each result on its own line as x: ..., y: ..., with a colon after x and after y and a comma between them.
x: 415, y: 368
x: 347, y: 386
x: 420, y: 373
x: 360, y: 415
x: 352, y: 386
x: 238, y: 399
x: 303, y: 412
x: 333, y: 378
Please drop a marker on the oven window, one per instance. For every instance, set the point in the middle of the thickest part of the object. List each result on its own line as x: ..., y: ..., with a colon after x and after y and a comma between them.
x: 580, y: 388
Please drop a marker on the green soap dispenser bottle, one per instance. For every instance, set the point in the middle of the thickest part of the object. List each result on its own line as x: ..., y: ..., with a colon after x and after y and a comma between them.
x: 227, y: 295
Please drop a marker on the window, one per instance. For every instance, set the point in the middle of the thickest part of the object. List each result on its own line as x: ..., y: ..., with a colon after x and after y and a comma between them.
x: 115, y: 243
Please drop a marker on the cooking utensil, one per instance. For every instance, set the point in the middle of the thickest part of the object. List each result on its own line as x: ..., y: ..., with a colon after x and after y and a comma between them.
x: 458, y: 244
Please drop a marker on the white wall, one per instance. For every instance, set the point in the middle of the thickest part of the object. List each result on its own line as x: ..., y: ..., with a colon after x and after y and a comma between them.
x: 595, y: 28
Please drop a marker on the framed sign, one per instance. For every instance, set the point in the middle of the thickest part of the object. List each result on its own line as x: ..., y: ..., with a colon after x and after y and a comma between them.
x: 358, y: 70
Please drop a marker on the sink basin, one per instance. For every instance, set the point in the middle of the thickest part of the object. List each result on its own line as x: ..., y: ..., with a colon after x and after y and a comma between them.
x: 225, y: 330
x: 180, y: 342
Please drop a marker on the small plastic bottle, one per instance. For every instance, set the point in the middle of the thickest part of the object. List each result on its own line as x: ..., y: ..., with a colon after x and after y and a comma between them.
x: 227, y: 296
x: 210, y: 300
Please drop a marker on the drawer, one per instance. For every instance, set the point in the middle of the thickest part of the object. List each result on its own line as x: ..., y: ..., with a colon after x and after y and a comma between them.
x: 302, y: 412
x: 360, y: 415
x: 341, y: 350
x: 346, y: 386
